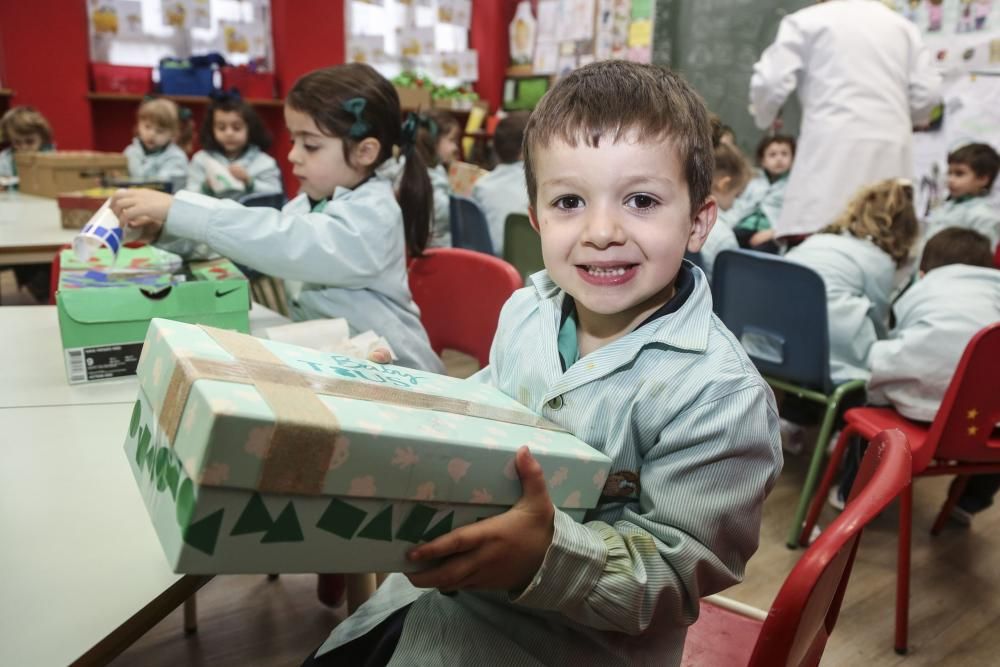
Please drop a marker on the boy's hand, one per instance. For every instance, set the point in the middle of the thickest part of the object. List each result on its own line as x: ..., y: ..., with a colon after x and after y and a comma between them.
x: 142, y: 208
x: 239, y: 172
x: 503, y: 552
x: 761, y: 237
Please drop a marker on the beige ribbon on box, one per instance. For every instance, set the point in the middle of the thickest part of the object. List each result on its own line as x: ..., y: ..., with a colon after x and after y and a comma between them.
x: 302, y: 443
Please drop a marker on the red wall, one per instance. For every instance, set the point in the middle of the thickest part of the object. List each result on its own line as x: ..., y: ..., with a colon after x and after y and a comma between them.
x: 45, y: 54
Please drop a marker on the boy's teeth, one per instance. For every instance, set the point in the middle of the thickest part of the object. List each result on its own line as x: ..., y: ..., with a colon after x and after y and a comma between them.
x: 598, y: 271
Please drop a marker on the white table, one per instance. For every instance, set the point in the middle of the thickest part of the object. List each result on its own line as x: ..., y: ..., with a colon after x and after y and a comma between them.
x: 82, y: 573
x: 30, y: 229
x: 32, y: 373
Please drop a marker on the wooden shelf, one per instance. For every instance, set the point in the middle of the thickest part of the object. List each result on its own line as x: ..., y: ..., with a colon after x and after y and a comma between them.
x: 180, y: 99
x: 6, y: 92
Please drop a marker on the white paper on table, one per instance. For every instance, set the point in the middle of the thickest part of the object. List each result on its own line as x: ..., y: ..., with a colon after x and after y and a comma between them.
x: 220, y: 179
x: 332, y: 336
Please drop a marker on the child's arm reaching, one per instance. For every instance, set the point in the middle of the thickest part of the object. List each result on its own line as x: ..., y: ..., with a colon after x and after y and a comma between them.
x: 349, y: 245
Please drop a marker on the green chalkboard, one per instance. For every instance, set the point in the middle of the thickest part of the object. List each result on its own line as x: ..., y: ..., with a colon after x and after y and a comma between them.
x: 714, y: 44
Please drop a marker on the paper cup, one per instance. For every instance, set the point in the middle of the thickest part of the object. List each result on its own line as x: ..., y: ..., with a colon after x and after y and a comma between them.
x: 102, y: 230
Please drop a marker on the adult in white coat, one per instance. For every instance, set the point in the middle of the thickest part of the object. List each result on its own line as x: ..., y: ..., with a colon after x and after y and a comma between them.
x: 864, y: 79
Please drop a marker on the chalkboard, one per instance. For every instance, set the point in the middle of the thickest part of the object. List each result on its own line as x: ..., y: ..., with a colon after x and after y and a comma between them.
x: 714, y: 44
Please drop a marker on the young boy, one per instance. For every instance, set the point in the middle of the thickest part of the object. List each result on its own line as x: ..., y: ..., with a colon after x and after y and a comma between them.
x: 971, y: 172
x: 616, y: 342
x: 26, y: 130
x: 503, y: 191
x: 153, y: 155
x: 958, y: 294
x: 755, y: 229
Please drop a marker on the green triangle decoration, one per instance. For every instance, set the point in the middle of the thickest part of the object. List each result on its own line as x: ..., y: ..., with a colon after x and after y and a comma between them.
x: 173, y: 478
x: 161, y: 469
x: 203, y: 534
x: 341, y: 519
x: 440, y: 528
x: 285, y: 528
x: 379, y: 528
x: 416, y: 523
x: 133, y: 427
x: 254, y: 519
x: 141, y: 450
x: 185, y: 503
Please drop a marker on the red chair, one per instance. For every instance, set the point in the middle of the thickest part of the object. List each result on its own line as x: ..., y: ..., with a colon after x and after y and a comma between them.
x: 460, y: 294
x: 802, y: 616
x: 957, y: 442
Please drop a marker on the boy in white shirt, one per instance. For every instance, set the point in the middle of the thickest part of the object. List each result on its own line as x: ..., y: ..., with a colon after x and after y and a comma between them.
x: 504, y: 191
x: 971, y: 172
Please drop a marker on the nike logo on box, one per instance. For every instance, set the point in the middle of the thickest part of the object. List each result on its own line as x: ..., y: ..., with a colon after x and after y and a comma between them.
x: 220, y: 293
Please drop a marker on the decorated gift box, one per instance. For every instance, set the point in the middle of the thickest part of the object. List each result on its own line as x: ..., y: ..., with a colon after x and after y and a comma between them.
x: 105, y: 305
x: 259, y: 456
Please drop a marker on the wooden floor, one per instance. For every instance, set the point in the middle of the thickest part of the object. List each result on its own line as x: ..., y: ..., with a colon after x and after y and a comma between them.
x: 954, y: 608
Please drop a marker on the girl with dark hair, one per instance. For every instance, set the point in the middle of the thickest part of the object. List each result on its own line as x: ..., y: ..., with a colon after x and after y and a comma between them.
x: 232, y: 161
x: 346, y: 236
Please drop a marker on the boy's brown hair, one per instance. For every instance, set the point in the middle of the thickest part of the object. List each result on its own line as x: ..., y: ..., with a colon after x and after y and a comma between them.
x: 956, y: 245
x: 609, y: 99
x: 509, y: 136
x: 980, y: 158
x: 729, y: 161
x: 776, y: 139
x: 25, y: 120
x: 161, y: 113
x: 431, y: 126
x: 882, y: 213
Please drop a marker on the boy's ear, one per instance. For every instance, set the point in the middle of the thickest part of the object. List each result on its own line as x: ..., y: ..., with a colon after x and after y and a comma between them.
x: 366, y: 152
x: 533, y: 217
x: 701, y: 224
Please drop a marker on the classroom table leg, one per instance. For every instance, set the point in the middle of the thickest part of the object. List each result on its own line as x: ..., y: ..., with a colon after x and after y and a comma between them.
x: 191, y: 615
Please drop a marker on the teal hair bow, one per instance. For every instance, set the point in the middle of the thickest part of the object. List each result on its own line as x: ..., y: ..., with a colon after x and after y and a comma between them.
x: 356, y: 107
x: 413, y: 122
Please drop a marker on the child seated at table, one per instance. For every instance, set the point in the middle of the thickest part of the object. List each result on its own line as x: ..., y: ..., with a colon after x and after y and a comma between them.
x: 153, y: 155
x: 25, y: 129
x: 234, y: 137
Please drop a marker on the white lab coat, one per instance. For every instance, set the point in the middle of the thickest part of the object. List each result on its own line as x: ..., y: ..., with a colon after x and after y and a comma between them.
x: 500, y: 193
x: 859, y: 280
x: 864, y: 77
x: 935, y: 320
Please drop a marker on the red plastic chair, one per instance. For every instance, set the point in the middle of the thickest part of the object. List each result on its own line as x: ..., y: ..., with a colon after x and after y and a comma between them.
x: 803, y: 614
x: 957, y: 442
x: 460, y: 294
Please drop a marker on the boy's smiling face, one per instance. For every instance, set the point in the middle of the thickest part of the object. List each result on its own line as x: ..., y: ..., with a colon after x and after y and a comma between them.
x: 615, y: 222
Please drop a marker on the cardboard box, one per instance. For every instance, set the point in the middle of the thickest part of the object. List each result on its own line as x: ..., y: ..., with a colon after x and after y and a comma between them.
x: 123, y: 79
x: 50, y: 173
x: 462, y: 176
x: 258, y: 456
x: 105, y: 306
x: 413, y: 99
x: 77, y: 208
